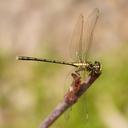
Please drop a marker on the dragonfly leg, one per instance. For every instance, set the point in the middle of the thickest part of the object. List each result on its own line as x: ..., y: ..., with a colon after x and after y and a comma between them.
x: 79, y: 70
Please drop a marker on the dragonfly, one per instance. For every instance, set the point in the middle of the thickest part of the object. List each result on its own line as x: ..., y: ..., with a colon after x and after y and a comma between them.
x: 83, y: 35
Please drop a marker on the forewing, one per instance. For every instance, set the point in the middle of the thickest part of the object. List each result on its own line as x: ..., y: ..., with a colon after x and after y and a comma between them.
x: 83, y: 35
x: 89, y: 26
x: 76, y: 42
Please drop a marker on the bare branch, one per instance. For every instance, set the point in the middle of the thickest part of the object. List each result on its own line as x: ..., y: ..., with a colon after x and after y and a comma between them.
x: 75, y: 91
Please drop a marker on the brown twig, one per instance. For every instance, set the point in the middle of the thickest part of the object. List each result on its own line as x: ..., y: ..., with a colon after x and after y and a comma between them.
x: 75, y: 91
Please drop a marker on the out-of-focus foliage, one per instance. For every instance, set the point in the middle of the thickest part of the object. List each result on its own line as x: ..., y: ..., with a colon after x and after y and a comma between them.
x: 29, y: 90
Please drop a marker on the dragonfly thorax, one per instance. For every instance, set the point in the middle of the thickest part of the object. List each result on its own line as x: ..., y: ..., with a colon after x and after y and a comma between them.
x: 91, y: 67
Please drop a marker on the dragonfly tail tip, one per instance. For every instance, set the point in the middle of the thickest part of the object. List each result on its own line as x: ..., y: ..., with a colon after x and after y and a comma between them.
x: 17, y: 57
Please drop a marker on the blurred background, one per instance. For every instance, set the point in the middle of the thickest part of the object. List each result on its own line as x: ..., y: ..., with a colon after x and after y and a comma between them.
x: 30, y: 90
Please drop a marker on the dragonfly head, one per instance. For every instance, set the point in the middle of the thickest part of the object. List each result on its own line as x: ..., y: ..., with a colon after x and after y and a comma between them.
x: 94, y: 68
x: 97, y: 67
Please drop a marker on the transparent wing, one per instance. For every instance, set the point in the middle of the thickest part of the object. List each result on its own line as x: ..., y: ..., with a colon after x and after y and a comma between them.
x: 67, y: 114
x: 89, y: 26
x: 83, y: 36
x: 76, y: 42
